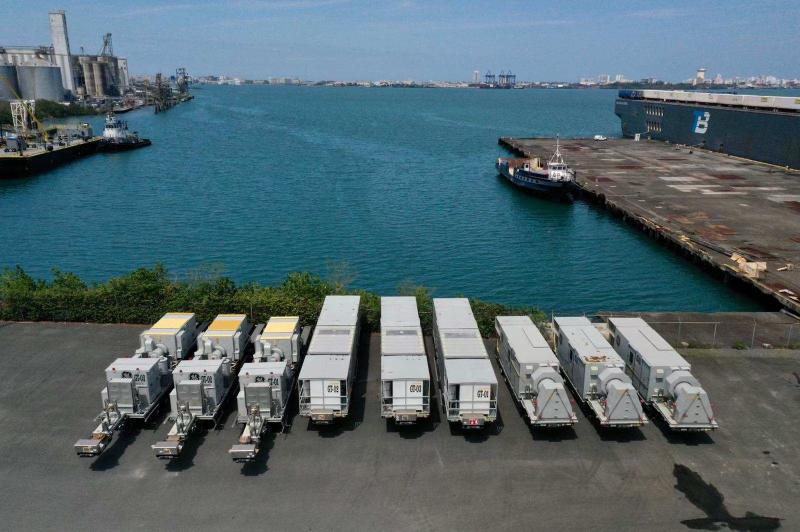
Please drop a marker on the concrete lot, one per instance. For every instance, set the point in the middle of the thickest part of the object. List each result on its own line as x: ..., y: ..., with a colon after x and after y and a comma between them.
x: 710, y: 204
x: 365, y: 477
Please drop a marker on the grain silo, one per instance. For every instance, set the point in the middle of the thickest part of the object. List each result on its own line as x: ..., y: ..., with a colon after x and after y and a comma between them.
x: 40, y: 83
x: 9, y: 87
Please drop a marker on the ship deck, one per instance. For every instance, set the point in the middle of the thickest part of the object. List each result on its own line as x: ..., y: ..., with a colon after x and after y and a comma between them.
x: 40, y: 150
x: 708, y: 205
x: 36, y: 160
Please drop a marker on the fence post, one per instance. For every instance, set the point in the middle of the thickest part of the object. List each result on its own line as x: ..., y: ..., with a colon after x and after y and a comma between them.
x: 753, y: 338
x: 679, y: 331
x: 789, y: 339
x: 714, y: 340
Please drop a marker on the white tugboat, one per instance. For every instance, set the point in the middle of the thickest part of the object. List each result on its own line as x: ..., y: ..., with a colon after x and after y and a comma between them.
x: 556, y: 178
x: 116, y: 136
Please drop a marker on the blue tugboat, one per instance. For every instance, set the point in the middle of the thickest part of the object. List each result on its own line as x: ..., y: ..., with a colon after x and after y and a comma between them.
x: 554, y: 179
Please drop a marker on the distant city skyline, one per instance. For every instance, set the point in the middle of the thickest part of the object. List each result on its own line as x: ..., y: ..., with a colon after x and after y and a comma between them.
x: 416, y: 40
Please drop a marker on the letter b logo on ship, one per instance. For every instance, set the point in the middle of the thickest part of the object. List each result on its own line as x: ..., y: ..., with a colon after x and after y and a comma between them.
x: 701, y: 119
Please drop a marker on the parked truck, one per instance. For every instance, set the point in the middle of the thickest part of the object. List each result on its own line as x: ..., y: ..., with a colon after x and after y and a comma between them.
x: 266, y: 384
x: 466, y: 379
x: 405, y: 376
x: 662, y: 377
x: 135, y: 386
x: 204, y: 382
x: 329, y: 369
x: 532, y: 372
x: 596, y: 373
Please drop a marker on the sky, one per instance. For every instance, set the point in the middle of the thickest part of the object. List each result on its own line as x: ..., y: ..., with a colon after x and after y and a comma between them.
x: 427, y: 40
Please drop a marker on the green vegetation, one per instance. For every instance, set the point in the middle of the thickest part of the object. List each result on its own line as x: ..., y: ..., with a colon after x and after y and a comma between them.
x: 740, y: 345
x: 145, y: 295
x: 47, y: 109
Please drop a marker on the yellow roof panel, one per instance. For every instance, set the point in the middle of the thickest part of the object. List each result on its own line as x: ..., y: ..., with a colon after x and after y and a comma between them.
x: 173, y: 320
x: 226, y: 322
x: 281, y: 326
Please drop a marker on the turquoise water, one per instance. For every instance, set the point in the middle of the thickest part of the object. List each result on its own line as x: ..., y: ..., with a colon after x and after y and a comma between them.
x: 398, y: 184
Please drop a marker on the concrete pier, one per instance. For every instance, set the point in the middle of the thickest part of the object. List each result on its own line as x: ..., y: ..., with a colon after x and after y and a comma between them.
x: 734, y: 215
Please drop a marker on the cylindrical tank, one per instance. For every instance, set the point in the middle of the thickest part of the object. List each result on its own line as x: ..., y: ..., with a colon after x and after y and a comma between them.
x: 99, y: 78
x: 9, y: 87
x: 88, y: 75
x: 40, y: 83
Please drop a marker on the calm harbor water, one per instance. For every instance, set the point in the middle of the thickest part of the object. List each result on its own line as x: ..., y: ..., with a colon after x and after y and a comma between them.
x: 399, y: 184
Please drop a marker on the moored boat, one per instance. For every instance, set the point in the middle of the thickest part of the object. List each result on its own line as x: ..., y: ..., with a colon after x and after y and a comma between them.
x: 555, y: 178
x: 116, y: 136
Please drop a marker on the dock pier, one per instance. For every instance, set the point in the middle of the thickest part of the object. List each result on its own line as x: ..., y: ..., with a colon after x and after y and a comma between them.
x: 740, y: 218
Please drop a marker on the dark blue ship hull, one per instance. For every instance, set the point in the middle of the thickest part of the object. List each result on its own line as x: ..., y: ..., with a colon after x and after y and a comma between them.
x: 761, y: 135
x: 532, y: 182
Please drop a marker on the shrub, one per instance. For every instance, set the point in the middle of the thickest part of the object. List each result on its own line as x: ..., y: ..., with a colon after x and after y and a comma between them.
x: 145, y: 294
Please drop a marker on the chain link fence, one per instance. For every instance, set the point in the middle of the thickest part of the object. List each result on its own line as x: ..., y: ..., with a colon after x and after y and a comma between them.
x: 736, y: 330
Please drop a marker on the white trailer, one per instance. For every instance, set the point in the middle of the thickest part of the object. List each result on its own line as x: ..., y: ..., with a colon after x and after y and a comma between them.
x: 405, y: 376
x: 466, y: 378
x: 596, y: 373
x: 329, y: 368
x: 204, y: 382
x: 662, y: 377
x: 532, y: 372
x: 266, y: 384
x: 135, y: 386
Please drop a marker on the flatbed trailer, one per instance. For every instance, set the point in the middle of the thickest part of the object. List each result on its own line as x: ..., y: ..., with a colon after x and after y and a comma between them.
x: 136, y: 386
x: 596, y: 373
x: 662, y: 377
x: 329, y: 368
x: 466, y: 378
x: 532, y: 372
x: 203, y: 384
x: 405, y: 375
x: 267, y: 384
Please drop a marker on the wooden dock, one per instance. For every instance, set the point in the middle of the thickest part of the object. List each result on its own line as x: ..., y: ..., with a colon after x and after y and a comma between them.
x: 732, y: 215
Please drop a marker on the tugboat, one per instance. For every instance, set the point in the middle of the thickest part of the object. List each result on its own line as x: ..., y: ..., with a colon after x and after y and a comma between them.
x: 555, y: 179
x: 116, y: 136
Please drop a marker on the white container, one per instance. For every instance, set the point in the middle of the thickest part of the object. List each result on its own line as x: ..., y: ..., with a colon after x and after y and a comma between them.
x: 532, y: 371
x: 596, y: 373
x: 405, y: 377
x: 662, y: 377
x: 328, y: 371
x: 466, y: 378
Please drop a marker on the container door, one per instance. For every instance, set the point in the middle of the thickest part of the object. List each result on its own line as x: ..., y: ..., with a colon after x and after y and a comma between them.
x: 413, y: 391
x: 333, y: 395
x: 317, y: 394
x: 475, y: 398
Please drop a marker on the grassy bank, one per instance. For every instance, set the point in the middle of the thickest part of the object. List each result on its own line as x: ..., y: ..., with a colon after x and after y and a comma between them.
x: 145, y: 294
x: 46, y: 109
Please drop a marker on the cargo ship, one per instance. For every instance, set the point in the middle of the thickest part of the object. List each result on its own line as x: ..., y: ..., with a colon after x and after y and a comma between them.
x: 554, y: 179
x: 761, y: 128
